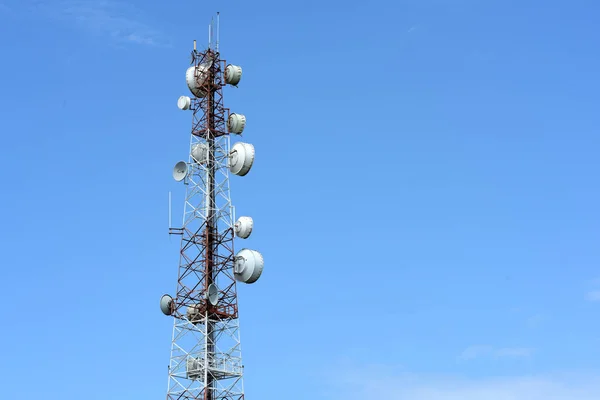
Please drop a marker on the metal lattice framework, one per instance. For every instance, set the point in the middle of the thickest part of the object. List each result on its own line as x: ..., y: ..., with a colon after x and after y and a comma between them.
x: 206, y: 360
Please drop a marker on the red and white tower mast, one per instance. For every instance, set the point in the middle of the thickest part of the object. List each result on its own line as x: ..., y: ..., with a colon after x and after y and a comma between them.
x: 206, y: 361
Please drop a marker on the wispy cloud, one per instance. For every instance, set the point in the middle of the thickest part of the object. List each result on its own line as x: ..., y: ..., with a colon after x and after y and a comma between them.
x: 115, y: 20
x: 359, y: 383
x: 594, y: 295
x: 480, y: 351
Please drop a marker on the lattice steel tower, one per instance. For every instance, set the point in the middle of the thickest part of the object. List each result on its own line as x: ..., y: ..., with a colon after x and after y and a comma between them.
x: 206, y: 360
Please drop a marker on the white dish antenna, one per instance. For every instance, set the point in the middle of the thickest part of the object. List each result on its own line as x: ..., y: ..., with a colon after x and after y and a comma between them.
x: 233, y: 74
x: 180, y: 171
x: 236, y: 123
x: 166, y: 304
x: 196, y: 78
x: 184, y: 103
x: 212, y: 294
x: 241, y: 158
x: 243, y: 227
x: 200, y: 152
x: 194, y: 313
x: 248, y: 266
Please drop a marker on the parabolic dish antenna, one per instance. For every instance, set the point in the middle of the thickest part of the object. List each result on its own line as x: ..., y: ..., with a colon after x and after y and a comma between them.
x: 200, y: 152
x: 166, y: 304
x: 236, y: 123
x: 180, y: 171
x: 212, y: 294
x: 242, y: 158
x: 194, y: 312
x: 243, y: 227
x: 196, y: 78
x: 248, y: 265
x: 184, y: 103
x: 233, y: 74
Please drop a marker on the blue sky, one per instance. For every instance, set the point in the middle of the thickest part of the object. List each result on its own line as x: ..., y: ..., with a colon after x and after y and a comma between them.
x: 425, y: 196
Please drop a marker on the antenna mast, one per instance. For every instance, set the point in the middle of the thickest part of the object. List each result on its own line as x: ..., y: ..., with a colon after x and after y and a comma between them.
x: 217, y: 47
x: 206, y: 358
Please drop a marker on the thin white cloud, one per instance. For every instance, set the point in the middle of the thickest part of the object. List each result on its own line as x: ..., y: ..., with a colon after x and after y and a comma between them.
x: 361, y: 383
x: 513, y: 352
x: 492, y: 389
x: 594, y: 295
x: 480, y: 351
x: 116, y: 20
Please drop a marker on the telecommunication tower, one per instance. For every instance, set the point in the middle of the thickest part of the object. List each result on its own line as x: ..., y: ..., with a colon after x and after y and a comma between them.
x: 206, y: 360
